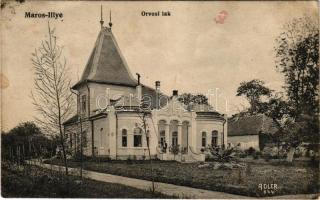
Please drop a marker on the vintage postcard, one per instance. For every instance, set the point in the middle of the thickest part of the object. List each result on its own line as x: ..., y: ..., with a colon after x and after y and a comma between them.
x: 160, y: 99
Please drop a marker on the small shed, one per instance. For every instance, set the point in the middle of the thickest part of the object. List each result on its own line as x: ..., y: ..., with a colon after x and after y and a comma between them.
x: 246, y: 131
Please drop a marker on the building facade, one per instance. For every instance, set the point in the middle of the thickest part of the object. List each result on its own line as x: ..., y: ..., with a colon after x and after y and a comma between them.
x: 118, y: 116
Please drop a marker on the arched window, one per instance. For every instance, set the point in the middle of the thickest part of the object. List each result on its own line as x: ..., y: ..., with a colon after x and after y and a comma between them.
x: 124, y: 137
x: 137, y: 137
x: 204, y: 139
x: 214, y: 138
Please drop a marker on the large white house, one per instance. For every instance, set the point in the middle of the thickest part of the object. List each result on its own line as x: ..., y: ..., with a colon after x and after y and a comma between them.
x: 109, y: 108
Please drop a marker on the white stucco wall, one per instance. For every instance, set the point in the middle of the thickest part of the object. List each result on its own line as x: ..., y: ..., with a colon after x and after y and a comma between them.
x: 99, y: 93
x: 128, y: 121
x: 246, y: 141
x: 208, y: 126
x: 101, y: 137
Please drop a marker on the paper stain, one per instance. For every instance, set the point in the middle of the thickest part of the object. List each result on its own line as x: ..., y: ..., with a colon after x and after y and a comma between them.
x: 4, y: 81
x: 221, y: 17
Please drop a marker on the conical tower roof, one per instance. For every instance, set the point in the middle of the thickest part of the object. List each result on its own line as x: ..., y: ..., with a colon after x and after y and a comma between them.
x: 106, y: 63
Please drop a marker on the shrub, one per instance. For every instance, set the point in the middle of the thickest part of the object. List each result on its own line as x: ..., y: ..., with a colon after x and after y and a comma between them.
x: 250, y: 151
x: 248, y: 169
x: 129, y: 160
x: 267, y: 157
x: 175, y: 149
x: 222, y: 155
x: 256, y: 156
x: 134, y: 157
x: 101, y: 159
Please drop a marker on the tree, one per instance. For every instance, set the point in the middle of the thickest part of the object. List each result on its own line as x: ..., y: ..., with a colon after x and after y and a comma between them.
x: 188, y: 98
x: 51, y: 96
x: 297, y: 58
x: 144, y: 115
x: 25, y: 141
x: 278, y: 110
x: 253, y: 91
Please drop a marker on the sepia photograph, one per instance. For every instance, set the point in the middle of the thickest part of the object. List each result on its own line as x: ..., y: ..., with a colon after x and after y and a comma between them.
x: 160, y: 99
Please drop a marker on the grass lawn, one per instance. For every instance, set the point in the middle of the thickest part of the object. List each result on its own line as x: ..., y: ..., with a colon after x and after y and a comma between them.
x: 37, y: 182
x: 289, y: 179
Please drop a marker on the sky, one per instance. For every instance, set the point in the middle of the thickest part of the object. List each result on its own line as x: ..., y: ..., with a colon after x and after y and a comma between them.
x: 190, y: 51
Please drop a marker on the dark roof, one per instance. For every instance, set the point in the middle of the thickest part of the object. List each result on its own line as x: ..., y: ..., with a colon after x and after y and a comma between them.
x: 71, y: 120
x: 200, y: 107
x: 251, y: 125
x: 106, y: 63
x: 150, y: 92
x: 74, y: 119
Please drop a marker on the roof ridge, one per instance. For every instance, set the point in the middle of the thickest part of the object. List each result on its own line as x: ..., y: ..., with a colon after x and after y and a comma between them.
x: 96, y: 57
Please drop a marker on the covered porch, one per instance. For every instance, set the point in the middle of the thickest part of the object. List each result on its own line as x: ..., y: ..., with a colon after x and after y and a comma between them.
x: 174, y: 142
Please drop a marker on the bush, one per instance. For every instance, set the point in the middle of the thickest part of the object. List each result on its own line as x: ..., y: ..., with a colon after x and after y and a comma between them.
x: 222, y: 155
x: 256, y: 156
x: 129, y: 160
x: 267, y: 157
x: 175, y: 149
x: 77, y: 156
x: 250, y: 151
x: 101, y: 159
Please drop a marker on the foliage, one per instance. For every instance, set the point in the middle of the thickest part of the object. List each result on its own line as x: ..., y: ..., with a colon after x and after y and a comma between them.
x: 175, y: 149
x: 188, y: 99
x: 251, y: 151
x: 36, y: 182
x: 222, y: 154
x: 253, y: 90
x: 264, y: 139
x: 297, y: 58
x: 26, y: 141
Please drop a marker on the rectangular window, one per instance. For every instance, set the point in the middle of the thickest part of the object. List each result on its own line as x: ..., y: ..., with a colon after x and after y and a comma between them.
x: 137, y: 140
x: 124, y: 137
x: 203, y: 142
x: 214, y: 138
x: 214, y: 141
x: 162, y: 138
x: 83, y: 103
x: 204, y: 139
x: 174, y: 138
x: 124, y: 141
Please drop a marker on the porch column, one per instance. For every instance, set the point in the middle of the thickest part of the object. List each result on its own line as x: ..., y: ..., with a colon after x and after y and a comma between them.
x: 179, y: 134
x: 167, y: 136
x: 189, y: 138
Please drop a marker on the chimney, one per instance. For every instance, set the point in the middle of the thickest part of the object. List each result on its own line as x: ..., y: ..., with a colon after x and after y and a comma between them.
x: 139, y: 89
x: 157, y: 94
x: 157, y: 85
x: 175, y: 93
